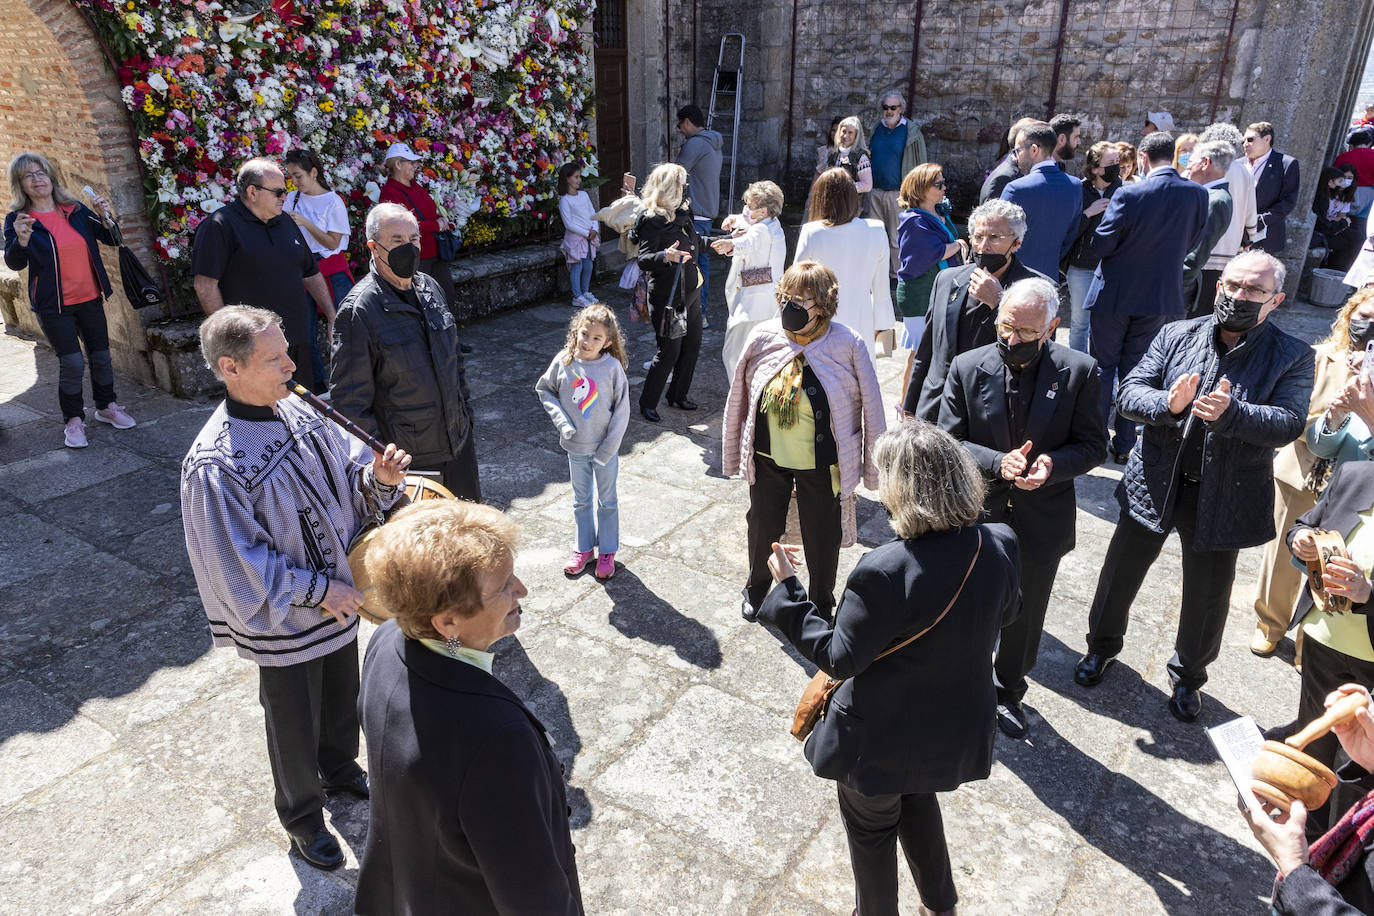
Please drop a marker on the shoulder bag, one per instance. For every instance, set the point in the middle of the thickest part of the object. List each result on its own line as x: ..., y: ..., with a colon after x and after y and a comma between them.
x: 816, y: 697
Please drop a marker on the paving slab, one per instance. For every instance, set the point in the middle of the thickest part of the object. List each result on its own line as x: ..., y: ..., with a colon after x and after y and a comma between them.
x: 44, y: 740
x: 66, y: 470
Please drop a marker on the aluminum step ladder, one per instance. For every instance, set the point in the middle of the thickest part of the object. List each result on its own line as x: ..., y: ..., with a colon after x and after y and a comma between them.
x: 727, y: 88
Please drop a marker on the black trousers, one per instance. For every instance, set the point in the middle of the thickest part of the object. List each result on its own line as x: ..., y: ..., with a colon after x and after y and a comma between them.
x: 1207, y: 579
x: 311, y: 710
x: 1020, y: 640
x: 678, y: 357
x: 459, y: 473
x: 818, y: 510
x: 1323, y: 670
x: 1206, y: 297
x: 67, y: 330
x: 873, y: 824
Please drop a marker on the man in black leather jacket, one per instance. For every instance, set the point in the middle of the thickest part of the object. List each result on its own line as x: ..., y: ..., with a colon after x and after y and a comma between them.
x: 396, y: 369
x: 1217, y: 395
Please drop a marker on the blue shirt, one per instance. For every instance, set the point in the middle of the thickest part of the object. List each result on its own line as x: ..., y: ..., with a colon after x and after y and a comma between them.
x: 885, y: 155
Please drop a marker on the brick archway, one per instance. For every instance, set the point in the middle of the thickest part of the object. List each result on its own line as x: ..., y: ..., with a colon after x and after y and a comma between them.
x: 58, y: 96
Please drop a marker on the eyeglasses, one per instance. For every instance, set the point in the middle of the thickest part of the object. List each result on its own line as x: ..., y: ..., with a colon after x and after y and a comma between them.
x: 280, y: 192
x: 35, y: 175
x: 1253, y: 293
x: 785, y: 300
x: 939, y: 184
x: 1024, y: 334
x: 1016, y: 150
x: 892, y: 108
x: 979, y: 238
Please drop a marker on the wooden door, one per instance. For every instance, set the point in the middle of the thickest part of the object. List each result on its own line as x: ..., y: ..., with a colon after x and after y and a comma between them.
x: 612, y: 96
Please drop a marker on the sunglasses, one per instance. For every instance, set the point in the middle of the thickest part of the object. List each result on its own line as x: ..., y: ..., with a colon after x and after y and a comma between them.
x: 892, y: 108
x: 280, y: 192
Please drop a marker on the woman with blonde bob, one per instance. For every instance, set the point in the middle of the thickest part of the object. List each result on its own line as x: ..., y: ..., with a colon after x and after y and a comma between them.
x: 803, y: 412
x: 469, y: 811
x: 758, y: 252
x: 667, y: 252
x: 951, y: 583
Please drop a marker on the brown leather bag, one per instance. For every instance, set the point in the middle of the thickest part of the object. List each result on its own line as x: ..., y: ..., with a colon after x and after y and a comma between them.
x: 816, y: 697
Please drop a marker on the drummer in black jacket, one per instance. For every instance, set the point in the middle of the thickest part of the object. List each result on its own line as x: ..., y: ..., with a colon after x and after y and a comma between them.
x: 396, y: 369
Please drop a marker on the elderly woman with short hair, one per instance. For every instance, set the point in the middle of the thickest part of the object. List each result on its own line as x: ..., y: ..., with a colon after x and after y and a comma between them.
x: 919, y: 720
x: 469, y: 812
x: 758, y: 252
x: 803, y: 412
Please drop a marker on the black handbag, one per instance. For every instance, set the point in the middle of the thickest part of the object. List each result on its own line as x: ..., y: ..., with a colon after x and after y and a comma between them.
x: 446, y: 244
x: 674, y: 320
x: 139, y: 286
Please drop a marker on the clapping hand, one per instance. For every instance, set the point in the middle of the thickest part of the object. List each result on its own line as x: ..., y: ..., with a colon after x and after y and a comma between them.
x: 1210, y: 407
x: 1345, y: 578
x: 1014, y: 462
x: 782, y: 564
x: 389, y: 468
x: 1182, y: 391
x: 1037, y: 475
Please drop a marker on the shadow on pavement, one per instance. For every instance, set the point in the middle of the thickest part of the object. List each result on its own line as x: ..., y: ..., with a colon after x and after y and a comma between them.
x: 638, y: 613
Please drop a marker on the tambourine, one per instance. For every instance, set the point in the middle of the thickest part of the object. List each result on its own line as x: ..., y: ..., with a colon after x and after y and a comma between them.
x: 416, y: 489
x: 1329, y: 544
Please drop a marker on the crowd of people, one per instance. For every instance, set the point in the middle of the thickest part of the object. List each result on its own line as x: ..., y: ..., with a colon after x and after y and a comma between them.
x: 1160, y: 254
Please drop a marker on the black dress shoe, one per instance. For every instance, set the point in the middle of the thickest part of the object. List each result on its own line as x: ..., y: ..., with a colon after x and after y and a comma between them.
x: 1185, y: 704
x: 1120, y: 457
x: 649, y: 414
x: 318, y: 847
x: 747, y: 610
x: 1011, y: 719
x: 464, y: 349
x: 684, y: 404
x: 1091, y: 669
x: 357, y: 787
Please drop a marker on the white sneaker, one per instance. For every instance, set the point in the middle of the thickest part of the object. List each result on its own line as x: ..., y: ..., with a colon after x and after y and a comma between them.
x: 75, y: 433
x: 116, y: 416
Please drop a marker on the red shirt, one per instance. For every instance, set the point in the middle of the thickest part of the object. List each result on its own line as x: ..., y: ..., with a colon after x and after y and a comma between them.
x: 73, y: 258
x: 1362, y: 158
x: 417, y: 200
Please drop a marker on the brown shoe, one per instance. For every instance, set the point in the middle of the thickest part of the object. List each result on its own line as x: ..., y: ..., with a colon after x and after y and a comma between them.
x: 1262, y: 645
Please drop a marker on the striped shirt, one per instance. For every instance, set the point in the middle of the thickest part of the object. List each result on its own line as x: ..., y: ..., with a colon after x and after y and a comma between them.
x: 270, y: 503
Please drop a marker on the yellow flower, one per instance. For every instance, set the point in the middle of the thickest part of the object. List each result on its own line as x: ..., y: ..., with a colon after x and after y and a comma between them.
x: 257, y: 97
x: 151, y: 108
x: 326, y: 105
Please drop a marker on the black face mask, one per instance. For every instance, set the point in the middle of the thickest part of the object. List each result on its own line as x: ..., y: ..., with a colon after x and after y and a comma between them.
x: 1019, y: 354
x: 990, y: 261
x: 1361, y: 332
x: 1236, y: 315
x: 794, y: 317
x: 1111, y: 172
x: 402, y: 259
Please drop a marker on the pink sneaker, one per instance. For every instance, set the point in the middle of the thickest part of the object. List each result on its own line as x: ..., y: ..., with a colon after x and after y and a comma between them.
x: 605, y: 566
x: 75, y: 433
x: 577, y: 563
x: 116, y: 416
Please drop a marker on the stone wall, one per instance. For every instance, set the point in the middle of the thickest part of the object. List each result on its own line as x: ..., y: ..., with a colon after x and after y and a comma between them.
x: 59, y: 97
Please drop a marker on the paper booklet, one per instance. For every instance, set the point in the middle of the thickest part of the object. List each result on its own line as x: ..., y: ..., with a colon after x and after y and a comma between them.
x: 1238, y: 742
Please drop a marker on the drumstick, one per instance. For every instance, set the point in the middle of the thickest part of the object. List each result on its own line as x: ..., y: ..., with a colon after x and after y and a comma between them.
x: 304, y: 393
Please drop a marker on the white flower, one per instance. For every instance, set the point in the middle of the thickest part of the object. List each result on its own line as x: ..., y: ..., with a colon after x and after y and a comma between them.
x: 373, y: 191
x: 211, y: 205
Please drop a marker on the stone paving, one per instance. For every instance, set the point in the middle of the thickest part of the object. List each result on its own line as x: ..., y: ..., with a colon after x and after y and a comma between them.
x: 134, y: 779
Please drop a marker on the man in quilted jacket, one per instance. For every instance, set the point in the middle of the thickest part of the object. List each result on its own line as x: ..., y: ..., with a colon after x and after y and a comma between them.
x: 1216, y: 394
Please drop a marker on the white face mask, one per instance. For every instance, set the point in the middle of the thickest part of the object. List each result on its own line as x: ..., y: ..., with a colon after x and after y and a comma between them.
x: 1345, y: 182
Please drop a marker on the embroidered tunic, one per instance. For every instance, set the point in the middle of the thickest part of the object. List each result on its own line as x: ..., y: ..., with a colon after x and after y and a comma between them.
x: 270, y: 504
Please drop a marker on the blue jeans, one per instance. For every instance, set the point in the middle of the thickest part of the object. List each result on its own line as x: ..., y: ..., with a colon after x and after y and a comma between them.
x: 580, y: 275
x: 703, y: 227
x: 1079, y: 279
x: 1119, y: 342
x: 605, y: 533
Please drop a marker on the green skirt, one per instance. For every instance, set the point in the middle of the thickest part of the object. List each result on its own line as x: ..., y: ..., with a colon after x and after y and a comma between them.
x: 913, y: 296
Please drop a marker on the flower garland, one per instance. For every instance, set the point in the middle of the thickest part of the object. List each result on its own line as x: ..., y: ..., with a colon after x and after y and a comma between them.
x: 495, y: 94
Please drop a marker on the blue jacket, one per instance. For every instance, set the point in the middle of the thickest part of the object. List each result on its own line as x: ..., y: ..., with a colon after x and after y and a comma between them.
x: 1053, y: 204
x: 1147, y: 231
x: 1271, y: 384
x: 40, y: 256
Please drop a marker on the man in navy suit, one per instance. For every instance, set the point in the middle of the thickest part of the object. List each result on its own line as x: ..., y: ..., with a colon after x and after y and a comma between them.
x: 1026, y: 409
x: 1053, y: 201
x: 1147, y: 231
x: 1276, y: 185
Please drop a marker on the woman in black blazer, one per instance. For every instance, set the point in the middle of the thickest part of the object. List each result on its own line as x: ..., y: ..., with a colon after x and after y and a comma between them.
x: 890, y: 753
x: 469, y: 813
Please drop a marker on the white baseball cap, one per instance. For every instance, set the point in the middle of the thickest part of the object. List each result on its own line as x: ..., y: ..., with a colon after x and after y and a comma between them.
x: 401, y: 151
x: 1162, y: 120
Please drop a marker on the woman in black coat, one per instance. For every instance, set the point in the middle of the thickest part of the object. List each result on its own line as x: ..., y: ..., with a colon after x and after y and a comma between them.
x: 469, y: 813
x: 667, y: 252
x: 921, y: 720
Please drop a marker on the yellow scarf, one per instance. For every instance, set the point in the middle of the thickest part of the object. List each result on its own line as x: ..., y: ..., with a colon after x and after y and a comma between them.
x: 781, y: 396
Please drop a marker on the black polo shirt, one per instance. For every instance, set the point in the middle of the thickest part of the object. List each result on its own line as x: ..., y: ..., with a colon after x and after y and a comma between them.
x: 257, y: 263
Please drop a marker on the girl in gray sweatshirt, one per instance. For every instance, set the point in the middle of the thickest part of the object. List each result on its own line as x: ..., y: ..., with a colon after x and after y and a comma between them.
x: 586, y: 395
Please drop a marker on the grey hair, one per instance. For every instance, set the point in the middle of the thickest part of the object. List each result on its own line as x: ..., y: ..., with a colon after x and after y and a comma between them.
x: 381, y: 213
x: 1265, y: 260
x: 1035, y: 290
x: 767, y: 195
x: 927, y: 481
x: 253, y: 172
x: 1227, y: 132
x: 1218, y: 152
x: 230, y: 332
x: 998, y: 208
x: 894, y: 94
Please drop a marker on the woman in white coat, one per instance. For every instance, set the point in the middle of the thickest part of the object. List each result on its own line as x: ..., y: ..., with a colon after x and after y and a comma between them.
x: 758, y: 253
x: 854, y: 249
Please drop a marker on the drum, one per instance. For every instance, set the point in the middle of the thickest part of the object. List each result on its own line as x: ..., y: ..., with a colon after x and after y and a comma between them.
x: 416, y: 489
x: 1329, y: 544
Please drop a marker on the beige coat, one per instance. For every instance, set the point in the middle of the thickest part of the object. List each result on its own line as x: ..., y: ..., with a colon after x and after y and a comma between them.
x: 1294, y: 460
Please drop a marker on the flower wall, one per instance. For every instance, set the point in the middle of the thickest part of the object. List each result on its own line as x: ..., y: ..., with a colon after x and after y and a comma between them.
x: 495, y: 94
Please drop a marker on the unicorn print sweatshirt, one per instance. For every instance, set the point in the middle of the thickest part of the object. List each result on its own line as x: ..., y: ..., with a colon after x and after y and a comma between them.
x: 589, y: 402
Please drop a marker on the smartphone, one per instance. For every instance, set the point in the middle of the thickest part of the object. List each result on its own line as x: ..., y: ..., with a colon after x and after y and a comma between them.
x: 88, y: 191
x: 627, y: 181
